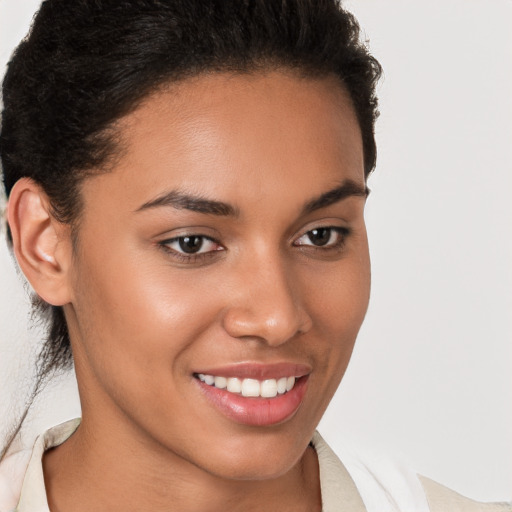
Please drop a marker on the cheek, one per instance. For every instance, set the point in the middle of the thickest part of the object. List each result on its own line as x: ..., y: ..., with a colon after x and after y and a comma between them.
x: 338, y: 296
x: 338, y: 303
x: 135, y: 318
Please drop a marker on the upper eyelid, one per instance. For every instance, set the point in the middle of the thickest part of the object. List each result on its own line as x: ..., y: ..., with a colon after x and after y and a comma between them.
x: 168, y: 240
x: 340, y: 229
x: 187, y: 235
x: 334, y: 221
x: 180, y: 231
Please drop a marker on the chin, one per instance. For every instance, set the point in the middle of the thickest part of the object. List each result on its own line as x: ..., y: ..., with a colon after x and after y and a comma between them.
x: 259, y: 456
x: 256, y: 470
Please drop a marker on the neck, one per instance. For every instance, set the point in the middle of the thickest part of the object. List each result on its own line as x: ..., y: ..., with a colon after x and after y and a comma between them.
x: 116, y: 471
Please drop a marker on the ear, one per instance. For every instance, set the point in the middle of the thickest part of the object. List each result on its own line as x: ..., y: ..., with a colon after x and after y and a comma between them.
x: 41, y: 244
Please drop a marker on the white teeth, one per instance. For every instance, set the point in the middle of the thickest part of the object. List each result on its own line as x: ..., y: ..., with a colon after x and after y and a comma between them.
x: 221, y: 382
x: 234, y: 385
x: 251, y: 387
x: 281, y: 385
x: 268, y: 388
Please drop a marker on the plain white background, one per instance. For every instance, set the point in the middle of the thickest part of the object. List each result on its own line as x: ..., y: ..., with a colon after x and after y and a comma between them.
x: 431, y: 376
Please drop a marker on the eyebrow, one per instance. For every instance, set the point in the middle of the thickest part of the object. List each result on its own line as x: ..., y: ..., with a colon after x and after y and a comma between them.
x: 348, y: 188
x: 184, y: 201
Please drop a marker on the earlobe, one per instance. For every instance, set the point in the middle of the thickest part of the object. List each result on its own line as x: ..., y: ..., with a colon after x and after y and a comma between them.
x: 41, y: 244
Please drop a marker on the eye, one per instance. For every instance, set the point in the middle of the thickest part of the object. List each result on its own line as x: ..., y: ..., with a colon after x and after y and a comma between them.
x: 324, y: 237
x: 191, y: 245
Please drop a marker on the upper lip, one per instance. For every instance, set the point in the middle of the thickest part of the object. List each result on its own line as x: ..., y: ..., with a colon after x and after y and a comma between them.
x: 259, y: 371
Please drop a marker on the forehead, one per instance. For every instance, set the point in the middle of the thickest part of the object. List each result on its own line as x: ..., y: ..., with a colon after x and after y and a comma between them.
x: 224, y: 134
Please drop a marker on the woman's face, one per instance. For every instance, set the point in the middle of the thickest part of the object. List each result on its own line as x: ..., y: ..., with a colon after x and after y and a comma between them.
x: 228, y: 244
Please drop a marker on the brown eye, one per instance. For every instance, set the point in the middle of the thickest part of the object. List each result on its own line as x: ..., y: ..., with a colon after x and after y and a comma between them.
x: 320, y: 236
x: 190, y: 244
x: 329, y: 237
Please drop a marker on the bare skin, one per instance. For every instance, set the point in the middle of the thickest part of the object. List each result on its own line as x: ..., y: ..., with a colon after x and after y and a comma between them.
x: 281, y: 275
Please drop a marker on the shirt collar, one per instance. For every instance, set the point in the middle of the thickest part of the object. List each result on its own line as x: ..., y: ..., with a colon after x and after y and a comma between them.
x: 33, y: 492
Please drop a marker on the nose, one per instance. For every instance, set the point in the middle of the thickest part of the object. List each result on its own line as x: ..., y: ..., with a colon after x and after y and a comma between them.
x: 266, y: 306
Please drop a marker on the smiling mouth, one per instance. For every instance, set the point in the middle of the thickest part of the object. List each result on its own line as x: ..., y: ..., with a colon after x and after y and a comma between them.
x: 255, y: 394
x: 268, y: 388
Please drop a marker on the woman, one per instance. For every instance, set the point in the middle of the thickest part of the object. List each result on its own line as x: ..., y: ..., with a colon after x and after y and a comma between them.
x: 186, y: 190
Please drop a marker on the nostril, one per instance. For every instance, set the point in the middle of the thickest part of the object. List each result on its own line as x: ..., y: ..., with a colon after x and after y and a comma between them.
x: 272, y: 325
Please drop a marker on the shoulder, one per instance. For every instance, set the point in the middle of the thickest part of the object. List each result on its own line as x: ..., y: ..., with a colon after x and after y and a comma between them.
x: 21, y: 474
x: 385, y: 484
x: 382, y: 484
x: 442, y: 499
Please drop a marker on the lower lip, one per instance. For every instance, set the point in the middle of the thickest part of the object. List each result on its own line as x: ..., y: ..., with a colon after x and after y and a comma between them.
x: 256, y: 411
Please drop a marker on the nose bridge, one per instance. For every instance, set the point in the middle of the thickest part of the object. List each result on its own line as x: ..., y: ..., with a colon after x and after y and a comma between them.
x: 267, y: 306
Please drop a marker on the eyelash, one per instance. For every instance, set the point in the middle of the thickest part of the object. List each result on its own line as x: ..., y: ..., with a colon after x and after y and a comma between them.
x: 341, y: 232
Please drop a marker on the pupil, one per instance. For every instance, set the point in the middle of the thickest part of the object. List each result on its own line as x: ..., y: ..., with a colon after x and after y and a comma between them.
x: 320, y: 236
x: 190, y: 244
